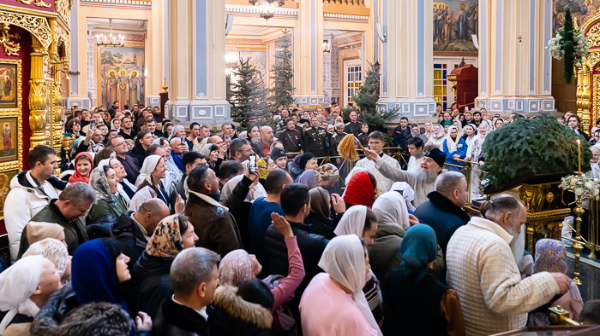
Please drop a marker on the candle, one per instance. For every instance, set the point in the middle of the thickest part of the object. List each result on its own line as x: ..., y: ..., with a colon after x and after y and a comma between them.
x: 579, y: 156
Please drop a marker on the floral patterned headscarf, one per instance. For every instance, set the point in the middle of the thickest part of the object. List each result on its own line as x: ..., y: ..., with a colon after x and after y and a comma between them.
x: 166, y: 241
x: 235, y: 268
x: 550, y: 256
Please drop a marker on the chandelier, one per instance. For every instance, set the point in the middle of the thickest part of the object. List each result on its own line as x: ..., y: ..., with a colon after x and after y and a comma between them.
x: 110, y: 39
x: 267, y: 7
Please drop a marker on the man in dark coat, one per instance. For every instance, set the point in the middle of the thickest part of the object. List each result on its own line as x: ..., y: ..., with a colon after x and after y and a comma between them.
x: 214, y: 223
x: 353, y: 127
x: 195, y: 277
x: 129, y: 163
x: 315, y: 139
x: 134, y: 229
x: 290, y: 137
x: 443, y: 212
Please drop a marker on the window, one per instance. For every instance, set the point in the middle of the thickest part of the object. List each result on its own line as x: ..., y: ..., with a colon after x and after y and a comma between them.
x: 353, y: 80
x: 440, y: 84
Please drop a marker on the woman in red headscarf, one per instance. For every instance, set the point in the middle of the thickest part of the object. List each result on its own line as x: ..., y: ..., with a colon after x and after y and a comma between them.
x: 361, y: 190
x: 83, y: 164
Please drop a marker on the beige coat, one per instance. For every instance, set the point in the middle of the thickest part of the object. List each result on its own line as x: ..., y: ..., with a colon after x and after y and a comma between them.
x: 483, y: 270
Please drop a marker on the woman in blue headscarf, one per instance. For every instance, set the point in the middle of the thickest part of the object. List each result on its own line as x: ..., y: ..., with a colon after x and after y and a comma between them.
x: 418, y: 303
x: 98, y: 269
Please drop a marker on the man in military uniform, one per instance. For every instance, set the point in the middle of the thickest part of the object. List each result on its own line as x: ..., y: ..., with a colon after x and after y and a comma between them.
x: 290, y: 137
x: 353, y: 127
x: 315, y: 139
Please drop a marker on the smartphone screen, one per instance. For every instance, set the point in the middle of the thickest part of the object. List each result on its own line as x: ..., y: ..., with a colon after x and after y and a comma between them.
x: 252, y: 164
x: 92, y: 124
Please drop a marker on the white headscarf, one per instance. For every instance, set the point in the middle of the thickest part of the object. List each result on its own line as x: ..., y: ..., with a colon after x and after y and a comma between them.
x: 352, y: 222
x: 407, y: 192
x: 120, y: 190
x: 176, y: 130
x: 150, y: 163
x: 390, y: 208
x: 344, y: 261
x: 17, y: 284
x: 451, y: 143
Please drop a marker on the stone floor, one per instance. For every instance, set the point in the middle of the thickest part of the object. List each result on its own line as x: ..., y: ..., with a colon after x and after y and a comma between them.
x: 590, y: 275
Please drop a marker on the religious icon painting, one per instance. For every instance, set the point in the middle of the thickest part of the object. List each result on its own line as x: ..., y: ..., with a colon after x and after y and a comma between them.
x: 8, y: 144
x: 8, y: 85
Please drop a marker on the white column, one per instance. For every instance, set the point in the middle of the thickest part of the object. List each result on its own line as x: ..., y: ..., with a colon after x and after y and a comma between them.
x: 407, y: 57
x: 308, y: 54
x: 77, y: 92
x: 515, y: 69
x: 197, y: 64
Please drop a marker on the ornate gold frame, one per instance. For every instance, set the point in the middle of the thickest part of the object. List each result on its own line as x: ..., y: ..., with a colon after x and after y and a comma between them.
x: 15, y: 112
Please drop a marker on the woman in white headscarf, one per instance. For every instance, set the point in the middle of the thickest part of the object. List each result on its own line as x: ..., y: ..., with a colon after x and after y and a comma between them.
x: 392, y: 221
x: 362, y: 222
x: 437, y: 137
x: 475, y: 154
x: 334, y: 304
x: 25, y: 288
x: 150, y: 185
x: 124, y: 188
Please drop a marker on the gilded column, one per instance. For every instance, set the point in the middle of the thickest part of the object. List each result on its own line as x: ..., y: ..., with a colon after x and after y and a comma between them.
x: 55, y: 98
x: 38, y: 100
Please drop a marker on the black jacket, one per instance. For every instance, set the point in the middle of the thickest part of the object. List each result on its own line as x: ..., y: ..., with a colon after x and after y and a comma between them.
x: 151, y: 276
x: 131, y: 168
x: 311, y: 247
x: 230, y: 314
x: 443, y: 216
x: 131, y: 237
x: 174, y: 319
x: 139, y: 154
x: 321, y: 225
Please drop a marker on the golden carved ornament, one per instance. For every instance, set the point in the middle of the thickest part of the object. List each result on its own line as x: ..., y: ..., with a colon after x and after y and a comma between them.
x: 15, y: 112
x: 9, y: 41
x: 37, y: 3
x: 63, y: 7
x: 36, y: 25
x: 594, y: 35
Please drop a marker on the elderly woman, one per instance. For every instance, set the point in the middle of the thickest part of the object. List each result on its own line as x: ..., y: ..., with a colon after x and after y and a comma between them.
x: 151, y: 272
x: 550, y: 256
x: 25, y: 288
x: 213, y: 156
x: 239, y: 266
x: 362, y: 222
x: 437, y: 138
x: 104, y: 182
x: 455, y: 149
x: 36, y: 231
x: 173, y: 171
x: 149, y: 184
x: 334, y: 304
x: 55, y: 251
x: 418, y: 302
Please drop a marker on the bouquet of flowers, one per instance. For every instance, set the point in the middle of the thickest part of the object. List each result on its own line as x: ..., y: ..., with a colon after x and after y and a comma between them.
x: 570, y: 44
x: 582, y: 186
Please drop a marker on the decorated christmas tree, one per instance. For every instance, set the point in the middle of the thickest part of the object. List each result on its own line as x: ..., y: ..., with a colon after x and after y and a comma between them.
x: 367, y: 97
x: 247, y: 95
x: 282, y: 74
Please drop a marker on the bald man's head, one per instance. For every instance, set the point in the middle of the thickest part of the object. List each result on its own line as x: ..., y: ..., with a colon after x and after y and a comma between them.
x: 150, y: 213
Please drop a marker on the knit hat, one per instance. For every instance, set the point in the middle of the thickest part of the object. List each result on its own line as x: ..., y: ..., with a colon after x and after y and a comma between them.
x: 37, y: 231
x: 304, y: 160
x: 276, y: 153
x: 438, y: 156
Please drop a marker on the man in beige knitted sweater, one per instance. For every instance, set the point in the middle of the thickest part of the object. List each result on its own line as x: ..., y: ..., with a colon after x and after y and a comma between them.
x: 484, y: 272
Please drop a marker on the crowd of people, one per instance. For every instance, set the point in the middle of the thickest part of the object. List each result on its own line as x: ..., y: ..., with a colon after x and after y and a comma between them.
x: 165, y: 231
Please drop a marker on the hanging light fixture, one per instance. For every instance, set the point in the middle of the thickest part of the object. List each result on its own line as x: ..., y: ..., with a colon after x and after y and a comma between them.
x: 267, y: 7
x: 110, y: 39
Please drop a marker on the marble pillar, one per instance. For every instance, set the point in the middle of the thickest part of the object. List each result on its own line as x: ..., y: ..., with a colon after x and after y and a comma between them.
x: 514, y: 68
x: 197, y: 48
x: 407, y: 57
